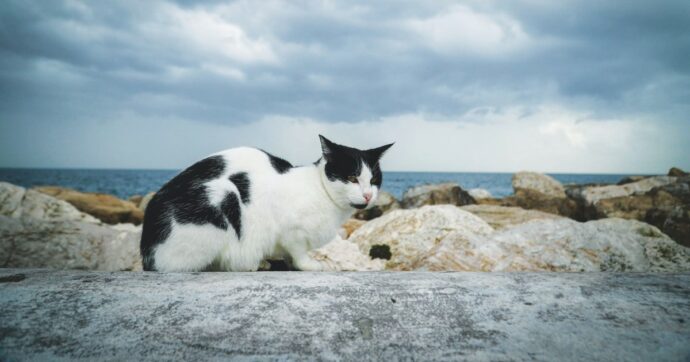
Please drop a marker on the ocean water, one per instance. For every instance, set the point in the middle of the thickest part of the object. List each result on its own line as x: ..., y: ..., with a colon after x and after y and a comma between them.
x: 125, y: 183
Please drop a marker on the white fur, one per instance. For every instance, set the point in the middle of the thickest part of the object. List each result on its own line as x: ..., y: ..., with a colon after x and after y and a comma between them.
x: 288, y: 215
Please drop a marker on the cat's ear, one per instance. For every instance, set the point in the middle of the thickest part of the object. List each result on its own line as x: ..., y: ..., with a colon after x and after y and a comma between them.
x: 327, y: 148
x: 375, y: 154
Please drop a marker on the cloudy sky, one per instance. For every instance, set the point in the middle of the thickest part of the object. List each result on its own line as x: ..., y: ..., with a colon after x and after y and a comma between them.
x: 552, y: 86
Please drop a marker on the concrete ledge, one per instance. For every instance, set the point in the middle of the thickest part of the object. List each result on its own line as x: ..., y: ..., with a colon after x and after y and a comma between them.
x: 54, y: 315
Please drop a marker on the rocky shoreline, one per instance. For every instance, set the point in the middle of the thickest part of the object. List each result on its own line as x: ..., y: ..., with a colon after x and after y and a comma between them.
x: 640, y: 224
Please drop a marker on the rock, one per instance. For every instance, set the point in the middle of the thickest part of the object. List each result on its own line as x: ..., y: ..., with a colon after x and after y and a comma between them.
x: 561, y: 245
x: 534, y: 182
x: 532, y: 200
x: 676, y: 172
x: 106, y: 208
x: 629, y: 179
x: 540, y: 192
x: 77, y: 315
x: 343, y: 255
x: 447, y: 193
x: 410, y: 234
x: 384, y: 202
x: 350, y: 226
x: 18, y: 202
x: 501, y: 217
x: 145, y: 201
x: 592, y: 195
x: 479, y: 194
x: 66, y: 244
x: 135, y: 199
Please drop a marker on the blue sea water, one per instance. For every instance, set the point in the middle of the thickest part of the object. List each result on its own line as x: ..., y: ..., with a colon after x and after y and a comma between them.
x: 125, y: 183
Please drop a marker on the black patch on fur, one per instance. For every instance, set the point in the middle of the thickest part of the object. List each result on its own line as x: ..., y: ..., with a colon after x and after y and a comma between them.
x: 343, y: 162
x: 280, y: 165
x: 231, y: 209
x: 184, y: 199
x: 242, y: 182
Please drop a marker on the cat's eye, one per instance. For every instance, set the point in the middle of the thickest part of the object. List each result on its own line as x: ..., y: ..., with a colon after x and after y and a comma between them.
x: 374, y: 180
x: 352, y: 179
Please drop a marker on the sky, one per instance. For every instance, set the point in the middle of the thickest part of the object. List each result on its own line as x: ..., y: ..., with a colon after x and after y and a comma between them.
x: 473, y: 86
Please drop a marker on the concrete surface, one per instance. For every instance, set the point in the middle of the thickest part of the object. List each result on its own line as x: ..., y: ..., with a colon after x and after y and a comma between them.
x: 68, y: 315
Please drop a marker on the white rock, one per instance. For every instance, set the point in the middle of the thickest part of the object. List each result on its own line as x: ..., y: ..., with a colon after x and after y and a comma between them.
x: 501, y: 217
x: 17, y: 202
x: 478, y: 193
x: 343, y: 255
x: 561, y: 245
x: 410, y: 234
x: 592, y: 195
x: 534, y: 181
x: 66, y: 244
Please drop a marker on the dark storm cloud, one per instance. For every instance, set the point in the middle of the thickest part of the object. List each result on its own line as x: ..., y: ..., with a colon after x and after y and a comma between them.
x: 334, y: 62
x: 238, y: 62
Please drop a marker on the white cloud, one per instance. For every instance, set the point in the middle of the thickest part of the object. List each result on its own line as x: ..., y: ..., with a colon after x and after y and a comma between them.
x: 463, y: 30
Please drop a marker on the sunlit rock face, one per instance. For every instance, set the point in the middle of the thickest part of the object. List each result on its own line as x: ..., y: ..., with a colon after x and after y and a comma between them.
x: 561, y: 245
x: 410, y: 234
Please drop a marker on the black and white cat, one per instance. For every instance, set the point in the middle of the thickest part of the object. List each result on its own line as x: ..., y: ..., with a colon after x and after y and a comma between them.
x: 240, y: 206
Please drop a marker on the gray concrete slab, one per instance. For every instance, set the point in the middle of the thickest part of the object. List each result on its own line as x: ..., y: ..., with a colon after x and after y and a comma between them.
x: 68, y: 315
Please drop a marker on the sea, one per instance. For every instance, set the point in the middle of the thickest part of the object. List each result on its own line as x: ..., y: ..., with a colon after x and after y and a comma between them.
x: 126, y: 183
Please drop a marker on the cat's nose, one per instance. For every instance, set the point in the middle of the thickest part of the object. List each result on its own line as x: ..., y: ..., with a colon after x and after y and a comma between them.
x: 367, y: 196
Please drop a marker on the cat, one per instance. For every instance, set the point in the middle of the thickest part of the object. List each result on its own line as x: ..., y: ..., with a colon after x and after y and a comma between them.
x: 240, y: 206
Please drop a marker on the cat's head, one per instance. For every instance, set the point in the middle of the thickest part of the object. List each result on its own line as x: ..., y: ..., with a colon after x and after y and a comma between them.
x: 352, y: 177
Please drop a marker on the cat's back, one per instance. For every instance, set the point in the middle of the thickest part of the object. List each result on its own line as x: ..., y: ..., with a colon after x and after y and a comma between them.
x: 215, y: 190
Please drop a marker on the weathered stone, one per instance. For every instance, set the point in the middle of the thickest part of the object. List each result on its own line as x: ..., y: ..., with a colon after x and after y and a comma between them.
x: 534, y: 182
x: 106, y: 208
x: 676, y: 172
x: 592, y: 195
x: 145, y: 201
x: 135, y: 199
x: 501, y: 217
x: 438, y: 194
x: 343, y: 255
x: 629, y: 179
x: 479, y: 194
x: 75, y: 315
x: 409, y: 234
x: 18, y: 202
x: 64, y: 244
x: 561, y: 245
x: 385, y: 202
x: 350, y: 226
x: 537, y: 191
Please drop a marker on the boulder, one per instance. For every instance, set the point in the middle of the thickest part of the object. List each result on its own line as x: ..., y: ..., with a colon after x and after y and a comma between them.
x: 145, y: 201
x: 479, y: 194
x: 106, y: 208
x: 540, y: 192
x: 407, y: 235
x: 344, y: 255
x: 18, y: 202
x: 676, y: 172
x: 67, y: 244
x: 629, y: 179
x: 560, y: 245
x: 501, y: 217
x: 135, y: 199
x: 350, y: 226
x: 535, y: 182
x: 437, y: 194
x: 592, y: 195
x: 385, y: 202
